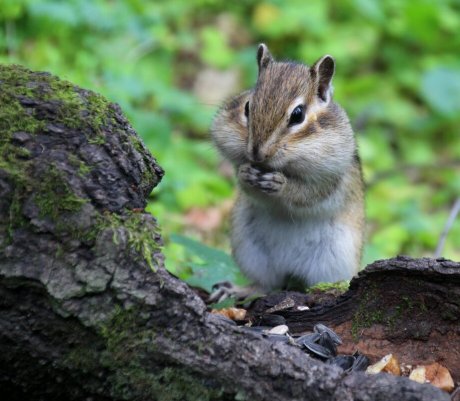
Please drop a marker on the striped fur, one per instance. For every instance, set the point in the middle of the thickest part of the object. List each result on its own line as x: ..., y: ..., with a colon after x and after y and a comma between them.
x: 300, y: 207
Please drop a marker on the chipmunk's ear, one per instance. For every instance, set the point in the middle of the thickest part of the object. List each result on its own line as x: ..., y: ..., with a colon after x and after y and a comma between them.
x: 322, y: 72
x: 264, y: 57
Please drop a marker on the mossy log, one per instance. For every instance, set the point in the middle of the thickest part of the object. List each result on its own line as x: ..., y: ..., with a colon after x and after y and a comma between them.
x: 404, y: 306
x: 87, y: 310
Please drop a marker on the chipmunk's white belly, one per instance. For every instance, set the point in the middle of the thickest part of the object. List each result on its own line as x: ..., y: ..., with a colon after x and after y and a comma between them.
x: 269, y: 248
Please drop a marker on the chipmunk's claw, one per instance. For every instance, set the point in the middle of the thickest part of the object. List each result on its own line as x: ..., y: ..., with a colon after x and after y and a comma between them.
x: 268, y: 182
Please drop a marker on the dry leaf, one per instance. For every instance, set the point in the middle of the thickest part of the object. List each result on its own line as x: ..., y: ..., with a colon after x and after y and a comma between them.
x: 393, y: 366
x: 231, y: 313
x: 436, y: 374
x: 439, y: 376
x: 418, y: 374
x: 388, y: 364
x: 286, y: 303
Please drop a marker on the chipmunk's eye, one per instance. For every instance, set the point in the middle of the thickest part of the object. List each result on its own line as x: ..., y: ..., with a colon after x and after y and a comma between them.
x: 246, y: 109
x: 297, y: 115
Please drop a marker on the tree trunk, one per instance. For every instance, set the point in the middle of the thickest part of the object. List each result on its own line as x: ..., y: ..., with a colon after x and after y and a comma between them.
x: 87, y: 310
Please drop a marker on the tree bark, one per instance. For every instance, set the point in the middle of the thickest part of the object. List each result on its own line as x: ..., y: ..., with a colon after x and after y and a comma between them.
x: 87, y: 310
x: 408, y: 307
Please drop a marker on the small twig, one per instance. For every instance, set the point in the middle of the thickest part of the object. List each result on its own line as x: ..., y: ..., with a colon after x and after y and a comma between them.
x: 450, y: 221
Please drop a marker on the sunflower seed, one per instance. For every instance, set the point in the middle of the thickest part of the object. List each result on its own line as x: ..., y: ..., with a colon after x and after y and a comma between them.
x: 360, y: 364
x: 318, y: 350
x: 327, y: 341
x: 312, y: 338
x: 321, y: 328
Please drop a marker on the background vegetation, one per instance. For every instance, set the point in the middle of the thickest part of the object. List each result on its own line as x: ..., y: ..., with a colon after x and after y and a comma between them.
x: 170, y: 63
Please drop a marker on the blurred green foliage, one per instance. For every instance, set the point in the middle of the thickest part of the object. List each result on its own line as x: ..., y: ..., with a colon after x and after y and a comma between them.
x: 210, y: 265
x: 398, y: 76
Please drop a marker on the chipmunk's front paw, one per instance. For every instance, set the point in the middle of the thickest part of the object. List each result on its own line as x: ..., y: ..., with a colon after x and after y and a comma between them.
x: 268, y: 182
x: 271, y: 182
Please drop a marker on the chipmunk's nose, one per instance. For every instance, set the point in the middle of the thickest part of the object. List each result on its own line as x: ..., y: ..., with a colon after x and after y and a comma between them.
x: 256, y: 155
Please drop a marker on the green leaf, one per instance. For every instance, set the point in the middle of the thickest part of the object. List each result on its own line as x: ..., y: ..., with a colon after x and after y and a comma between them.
x: 371, y: 9
x: 441, y: 89
x: 226, y: 303
x: 215, y: 50
x: 216, y: 266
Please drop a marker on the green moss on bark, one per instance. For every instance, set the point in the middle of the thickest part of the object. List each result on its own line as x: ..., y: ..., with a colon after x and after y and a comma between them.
x: 36, y: 109
x: 20, y: 88
x: 54, y: 186
x: 79, y: 164
x: 16, y: 218
x: 20, y: 91
x: 73, y: 109
x: 142, y: 238
x: 392, y: 317
x: 339, y: 287
x: 147, y: 174
x: 365, y: 315
x: 84, y: 359
x: 133, y: 377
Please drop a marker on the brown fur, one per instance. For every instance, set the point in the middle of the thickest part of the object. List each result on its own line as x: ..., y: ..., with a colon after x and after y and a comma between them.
x: 288, y: 81
x: 292, y: 172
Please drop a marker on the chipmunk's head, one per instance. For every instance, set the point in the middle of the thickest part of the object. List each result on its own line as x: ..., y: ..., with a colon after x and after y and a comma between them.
x: 284, y: 105
x: 286, y: 119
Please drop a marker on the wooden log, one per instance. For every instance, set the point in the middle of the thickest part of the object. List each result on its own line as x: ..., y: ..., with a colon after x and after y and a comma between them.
x: 405, y: 306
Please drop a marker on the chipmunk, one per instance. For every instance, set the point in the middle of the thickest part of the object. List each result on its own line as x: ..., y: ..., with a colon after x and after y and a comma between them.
x: 300, y: 206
